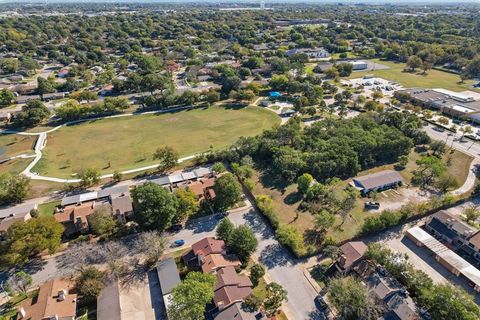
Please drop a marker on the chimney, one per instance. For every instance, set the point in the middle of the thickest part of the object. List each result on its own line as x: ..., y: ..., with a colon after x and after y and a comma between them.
x: 62, y: 294
x: 21, y: 313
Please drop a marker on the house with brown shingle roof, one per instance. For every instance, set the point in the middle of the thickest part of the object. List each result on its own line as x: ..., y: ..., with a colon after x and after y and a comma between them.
x: 353, y: 252
x: 230, y: 287
x: 209, y: 254
x: 54, y: 301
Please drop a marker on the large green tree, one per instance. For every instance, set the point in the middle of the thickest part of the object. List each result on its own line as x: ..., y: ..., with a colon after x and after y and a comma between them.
x: 243, y: 242
x: 189, y: 299
x: 13, y: 188
x: 228, y: 191
x: 156, y: 207
x: 29, y: 238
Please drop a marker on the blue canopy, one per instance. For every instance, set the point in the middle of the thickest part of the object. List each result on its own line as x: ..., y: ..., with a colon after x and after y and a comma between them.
x: 275, y: 94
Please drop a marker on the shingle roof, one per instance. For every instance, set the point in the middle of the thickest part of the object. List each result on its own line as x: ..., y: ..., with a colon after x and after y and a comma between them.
x: 235, y: 312
x: 378, y: 179
x: 441, y: 228
x: 352, y: 252
x: 228, y: 277
x: 168, y: 275
x: 207, y: 246
x: 24, y: 208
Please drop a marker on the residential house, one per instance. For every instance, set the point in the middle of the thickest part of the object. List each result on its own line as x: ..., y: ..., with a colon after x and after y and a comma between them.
x: 230, y: 287
x: 8, y: 221
x: 53, y: 301
x: 202, y: 188
x: 353, y: 252
x: 236, y: 312
x: 378, y: 181
x: 5, y: 116
x: 472, y: 248
x: 168, y: 277
x: 17, y: 210
x: 388, y: 292
x: 449, y: 229
x: 74, y: 210
x: 209, y: 255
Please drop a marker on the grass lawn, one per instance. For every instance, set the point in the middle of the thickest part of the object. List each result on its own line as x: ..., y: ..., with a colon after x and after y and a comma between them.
x: 39, y: 188
x: 433, y: 79
x: 129, y: 142
x: 14, y: 144
x: 14, y: 166
x: 47, y: 209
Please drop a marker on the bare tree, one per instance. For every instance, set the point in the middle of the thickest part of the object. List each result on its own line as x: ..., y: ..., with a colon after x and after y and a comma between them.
x: 151, y: 244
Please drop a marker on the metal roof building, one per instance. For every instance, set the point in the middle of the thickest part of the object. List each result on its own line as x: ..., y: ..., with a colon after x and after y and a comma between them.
x: 446, y: 257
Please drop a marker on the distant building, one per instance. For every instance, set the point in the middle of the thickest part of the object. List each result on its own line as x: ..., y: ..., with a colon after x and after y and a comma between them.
x: 455, y: 104
x: 312, y: 53
x: 54, y: 301
x: 358, y: 65
x: 378, y: 181
x: 6, y: 223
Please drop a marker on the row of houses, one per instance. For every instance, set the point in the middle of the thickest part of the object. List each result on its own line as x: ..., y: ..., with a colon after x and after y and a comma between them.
x: 387, y: 291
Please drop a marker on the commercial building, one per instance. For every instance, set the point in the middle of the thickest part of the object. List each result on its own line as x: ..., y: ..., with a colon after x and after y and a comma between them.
x: 358, y: 65
x: 378, y: 181
x: 312, y: 53
x: 456, y: 104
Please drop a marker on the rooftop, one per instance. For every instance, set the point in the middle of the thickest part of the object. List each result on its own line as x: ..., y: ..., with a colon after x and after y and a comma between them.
x: 378, y: 179
x: 168, y: 275
x: 16, y: 210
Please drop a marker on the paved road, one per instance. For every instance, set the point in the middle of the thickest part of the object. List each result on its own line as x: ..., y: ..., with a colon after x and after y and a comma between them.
x: 281, y: 268
x: 468, y: 147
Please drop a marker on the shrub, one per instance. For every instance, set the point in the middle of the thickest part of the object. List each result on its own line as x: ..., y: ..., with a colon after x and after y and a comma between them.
x: 265, y: 205
x: 290, y: 236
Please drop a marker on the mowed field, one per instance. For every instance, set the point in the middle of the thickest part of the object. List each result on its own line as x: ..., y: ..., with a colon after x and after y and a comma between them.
x: 129, y: 142
x: 433, y: 79
x: 13, y: 145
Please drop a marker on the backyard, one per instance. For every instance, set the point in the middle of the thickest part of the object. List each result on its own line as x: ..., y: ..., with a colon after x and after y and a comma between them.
x: 433, y: 78
x: 129, y: 142
x: 287, y: 200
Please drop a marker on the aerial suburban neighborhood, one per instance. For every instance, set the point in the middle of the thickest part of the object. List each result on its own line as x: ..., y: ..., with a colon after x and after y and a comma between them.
x: 239, y: 160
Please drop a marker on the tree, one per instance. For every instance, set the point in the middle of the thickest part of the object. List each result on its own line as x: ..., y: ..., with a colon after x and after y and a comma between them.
x: 351, y: 299
x: 289, y: 235
x: 446, y: 182
x: 187, y: 203
x: 117, y: 176
x: 242, y: 241
x: 32, y: 114
x: 445, y: 301
x: 13, y: 188
x: 225, y: 230
x: 156, y: 206
x: 151, y: 244
x: 89, y: 283
x: 218, y: 167
x: 402, y: 161
x: 333, y: 252
x: 430, y: 168
x: 228, y: 191
x: 257, y: 271
x: 276, y: 295
x: 304, y: 182
x: 189, y: 298
x: 377, y: 94
x: 89, y: 177
x: 212, y: 96
x: 6, y: 97
x: 27, y: 239
x: 414, y: 62
x: 168, y: 158
x: 102, y: 222
x: 438, y: 148
x: 324, y: 220
x: 471, y: 213
x: 19, y: 282
x: 45, y: 86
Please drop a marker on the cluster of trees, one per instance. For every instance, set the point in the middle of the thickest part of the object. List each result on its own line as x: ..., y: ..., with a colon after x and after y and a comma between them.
x: 442, y: 301
x: 13, y: 188
x: 6, y: 97
x: 329, y: 148
x: 241, y: 240
x: 158, y: 209
x: 33, y: 113
x: 270, y: 300
x: 25, y: 240
x: 73, y: 110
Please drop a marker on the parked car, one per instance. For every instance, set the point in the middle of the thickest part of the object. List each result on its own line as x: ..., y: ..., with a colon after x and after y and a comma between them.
x: 372, y: 205
x: 176, y: 228
x: 439, y: 129
x: 178, y: 243
x: 320, y: 303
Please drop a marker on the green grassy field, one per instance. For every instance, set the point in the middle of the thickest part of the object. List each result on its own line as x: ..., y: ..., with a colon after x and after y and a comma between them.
x: 47, y: 209
x: 14, y: 166
x: 433, y: 79
x: 129, y: 142
x: 13, y: 145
